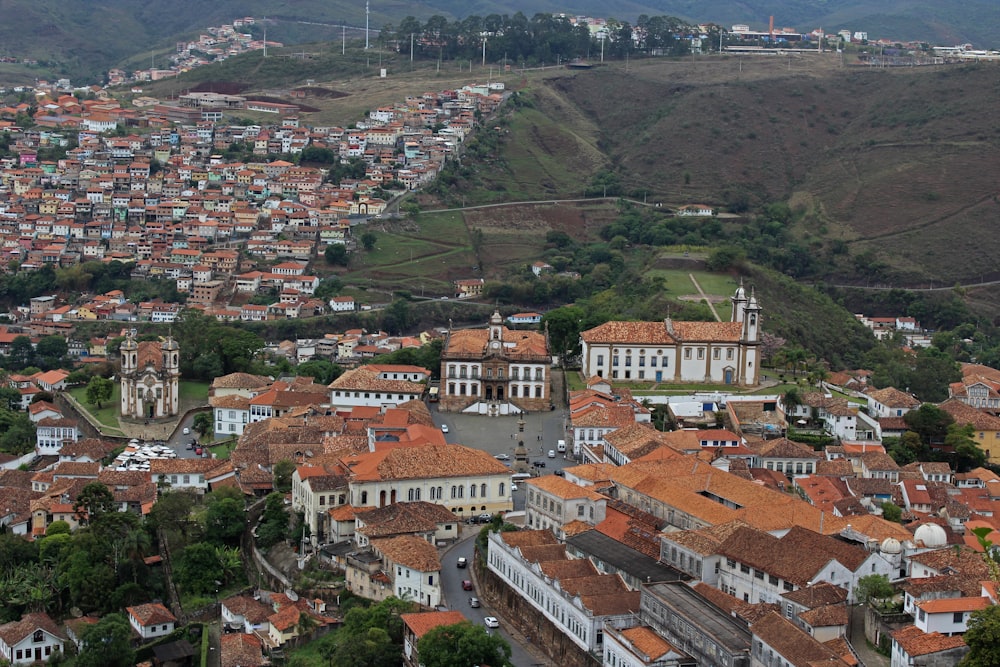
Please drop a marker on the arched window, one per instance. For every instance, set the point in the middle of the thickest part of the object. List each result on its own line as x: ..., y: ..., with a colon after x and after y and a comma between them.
x: 501, y: 489
x: 482, y: 490
x: 454, y: 492
x: 472, y: 490
x: 364, y: 497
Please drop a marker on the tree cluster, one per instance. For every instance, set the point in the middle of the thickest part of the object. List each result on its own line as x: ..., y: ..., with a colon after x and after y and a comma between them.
x: 544, y: 38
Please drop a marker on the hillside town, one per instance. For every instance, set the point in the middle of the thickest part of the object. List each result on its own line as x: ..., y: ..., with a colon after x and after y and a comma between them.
x: 665, y: 498
x: 725, y: 540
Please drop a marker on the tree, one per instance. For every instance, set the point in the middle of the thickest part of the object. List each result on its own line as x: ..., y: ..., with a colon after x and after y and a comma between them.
x: 283, y: 471
x: 203, y: 423
x: 564, y: 326
x: 51, y: 350
x: 224, y: 519
x: 321, y: 370
x: 10, y: 398
x: 22, y: 353
x: 967, y: 454
x: 99, y: 389
x: 336, y: 253
x: 94, y: 501
x: 107, y: 643
x: 273, y: 522
x: 930, y: 422
x: 368, y: 240
x: 891, y: 512
x: 199, y: 568
x: 983, y: 638
x: 371, y: 647
x: 463, y: 644
x: 874, y: 589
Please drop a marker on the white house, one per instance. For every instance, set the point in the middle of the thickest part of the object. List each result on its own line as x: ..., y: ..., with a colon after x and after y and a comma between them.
x: 52, y: 432
x: 341, y: 304
x: 949, y: 616
x: 34, y: 638
x: 151, y: 620
x: 365, y: 387
x: 581, y: 617
x: 232, y: 414
x: 669, y: 351
x: 414, y: 566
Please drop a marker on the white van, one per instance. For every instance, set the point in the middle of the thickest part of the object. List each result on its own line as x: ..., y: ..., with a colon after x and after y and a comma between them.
x: 518, y: 476
x: 561, y: 446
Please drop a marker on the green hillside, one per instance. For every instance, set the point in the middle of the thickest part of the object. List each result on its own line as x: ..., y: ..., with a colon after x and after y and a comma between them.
x: 888, y: 173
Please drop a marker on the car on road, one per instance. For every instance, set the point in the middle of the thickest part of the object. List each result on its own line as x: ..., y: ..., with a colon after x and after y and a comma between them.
x: 474, y: 602
x: 485, y: 517
x: 513, y: 487
x: 502, y: 457
x: 559, y: 473
x: 462, y: 562
x: 552, y: 453
x: 538, y: 464
x: 190, y: 446
x: 491, y: 622
x: 198, y: 451
x: 444, y: 428
x: 466, y: 585
x: 186, y: 431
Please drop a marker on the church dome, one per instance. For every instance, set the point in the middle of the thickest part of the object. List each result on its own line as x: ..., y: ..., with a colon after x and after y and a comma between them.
x: 931, y: 534
x: 170, y: 344
x: 891, y: 545
x: 496, y: 319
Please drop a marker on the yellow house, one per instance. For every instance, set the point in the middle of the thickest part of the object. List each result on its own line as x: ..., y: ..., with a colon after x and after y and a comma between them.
x: 986, y: 427
x: 86, y: 312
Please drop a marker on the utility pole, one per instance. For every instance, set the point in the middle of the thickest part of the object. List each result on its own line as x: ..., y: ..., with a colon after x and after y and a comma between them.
x: 265, y: 37
x: 343, y: 39
x: 367, y: 13
x: 411, y: 50
x: 484, y: 52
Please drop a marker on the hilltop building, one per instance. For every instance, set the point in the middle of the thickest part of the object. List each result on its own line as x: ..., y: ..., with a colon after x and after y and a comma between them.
x: 681, y: 352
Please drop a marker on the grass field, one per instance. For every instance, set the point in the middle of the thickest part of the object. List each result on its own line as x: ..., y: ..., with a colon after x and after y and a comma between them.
x: 678, y: 282
x: 107, y: 414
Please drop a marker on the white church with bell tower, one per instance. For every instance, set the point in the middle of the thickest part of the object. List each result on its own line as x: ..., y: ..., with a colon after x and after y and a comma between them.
x: 679, y: 352
x: 150, y: 372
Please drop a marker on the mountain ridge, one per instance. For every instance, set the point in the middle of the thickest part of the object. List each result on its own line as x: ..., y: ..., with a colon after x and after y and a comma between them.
x: 77, y: 38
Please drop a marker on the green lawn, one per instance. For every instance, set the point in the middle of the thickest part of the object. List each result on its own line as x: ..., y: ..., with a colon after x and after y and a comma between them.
x: 678, y: 283
x: 190, y: 391
x: 107, y: 414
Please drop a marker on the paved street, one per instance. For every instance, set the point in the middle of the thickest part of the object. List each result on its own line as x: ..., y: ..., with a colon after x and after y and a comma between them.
x: 522, y: 653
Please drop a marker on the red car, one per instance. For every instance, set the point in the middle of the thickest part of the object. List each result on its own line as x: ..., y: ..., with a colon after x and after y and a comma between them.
x: 466, y: 585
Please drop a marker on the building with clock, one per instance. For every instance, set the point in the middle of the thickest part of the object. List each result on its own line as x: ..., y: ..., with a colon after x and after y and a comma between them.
x: 496, y: 370
x: 150, y: 372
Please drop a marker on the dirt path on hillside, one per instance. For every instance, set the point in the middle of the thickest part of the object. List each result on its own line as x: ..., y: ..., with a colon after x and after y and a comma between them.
x: 704, y: 297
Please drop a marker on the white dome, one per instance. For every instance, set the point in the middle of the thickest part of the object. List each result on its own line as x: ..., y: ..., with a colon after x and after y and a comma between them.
x: 891, y: 545
x: 931, y: 534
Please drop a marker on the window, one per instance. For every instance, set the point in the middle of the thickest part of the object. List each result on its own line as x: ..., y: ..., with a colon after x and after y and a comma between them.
x: 472, y: 491
x: 579, y: 510
x: 730, y: 563
x: 757, y: 574
x: 652, y: 362
x: 729, y: 354
x: 701, y: 353
x: 600, y: 360
x: 958, y: 617
x: 614, y: 360
x: 716, y: 353
x: 628, y: 360
x: 482, y: 490
x: 687, y: 353
x: 501, y: 489
x: 745, y: 569
x: 364, y: 497
x: 538, y: 392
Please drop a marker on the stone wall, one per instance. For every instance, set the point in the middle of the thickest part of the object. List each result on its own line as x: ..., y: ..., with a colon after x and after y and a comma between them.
x: 530, y: 622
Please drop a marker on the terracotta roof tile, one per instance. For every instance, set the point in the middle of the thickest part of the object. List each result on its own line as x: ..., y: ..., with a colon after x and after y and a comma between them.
x: 917, y: 643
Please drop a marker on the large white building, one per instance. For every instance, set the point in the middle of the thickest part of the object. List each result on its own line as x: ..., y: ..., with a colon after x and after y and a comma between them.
x: 682, y: 352
x: 150, y: 372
